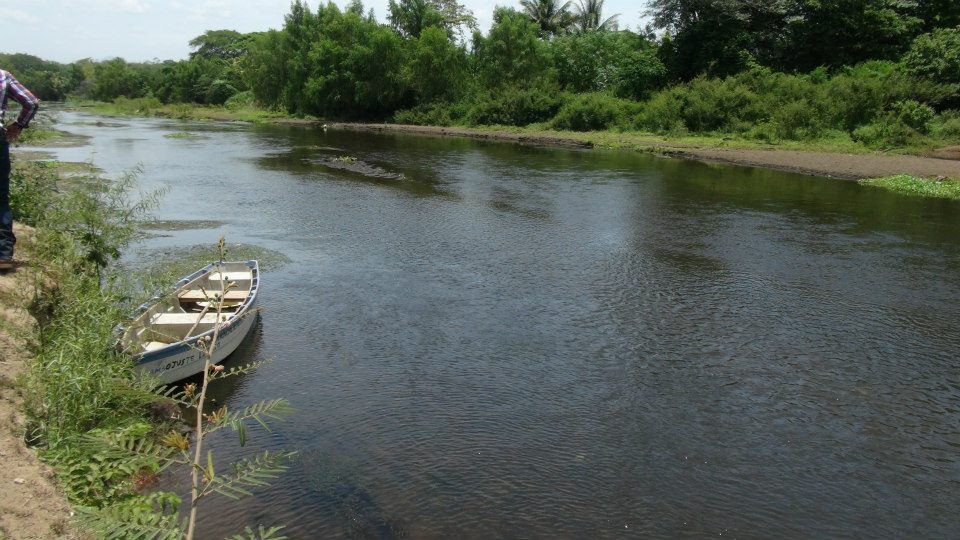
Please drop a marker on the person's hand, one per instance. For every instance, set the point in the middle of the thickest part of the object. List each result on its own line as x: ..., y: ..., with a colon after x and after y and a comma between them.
x: 13, y: 131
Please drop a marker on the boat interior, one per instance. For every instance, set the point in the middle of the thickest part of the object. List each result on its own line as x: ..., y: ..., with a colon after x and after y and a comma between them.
x: 192, y: 308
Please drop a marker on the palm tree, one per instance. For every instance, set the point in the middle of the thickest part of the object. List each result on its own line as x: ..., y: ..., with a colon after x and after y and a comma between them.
x: 589, y: 16
x: 552, y: 16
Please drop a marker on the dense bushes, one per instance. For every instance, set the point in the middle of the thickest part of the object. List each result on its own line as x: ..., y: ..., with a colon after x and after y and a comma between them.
x: 515, y: 106
x: 593, y: 112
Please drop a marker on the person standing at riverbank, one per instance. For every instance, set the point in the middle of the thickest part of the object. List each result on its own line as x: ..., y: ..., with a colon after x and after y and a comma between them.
x: 11, y: 87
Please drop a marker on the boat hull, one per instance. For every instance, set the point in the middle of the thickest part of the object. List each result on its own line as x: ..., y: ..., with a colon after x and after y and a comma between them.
x: 163, y: 330
x: 186, y: 359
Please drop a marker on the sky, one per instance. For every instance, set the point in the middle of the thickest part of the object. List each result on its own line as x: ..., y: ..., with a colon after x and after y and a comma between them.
x: 146, y: 30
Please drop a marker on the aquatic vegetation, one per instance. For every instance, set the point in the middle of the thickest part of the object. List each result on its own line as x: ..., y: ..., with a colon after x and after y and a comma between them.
x: 905, y: 184
x: 181, y: 225
x: 352, y: 164
x: 184, y: 135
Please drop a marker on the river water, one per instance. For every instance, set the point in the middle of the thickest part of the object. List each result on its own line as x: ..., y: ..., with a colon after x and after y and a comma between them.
x: 522, y: 342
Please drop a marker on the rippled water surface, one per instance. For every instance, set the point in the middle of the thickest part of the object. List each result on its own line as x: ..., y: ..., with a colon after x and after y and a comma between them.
x: 496, y: 341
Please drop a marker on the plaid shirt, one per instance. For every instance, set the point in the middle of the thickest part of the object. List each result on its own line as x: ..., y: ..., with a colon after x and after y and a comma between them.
x: 10, y: 87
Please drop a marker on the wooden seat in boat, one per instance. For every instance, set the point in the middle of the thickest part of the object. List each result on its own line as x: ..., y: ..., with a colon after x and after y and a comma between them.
x: 183, y: 318
x: 197, y: 295
x: 229, y: 276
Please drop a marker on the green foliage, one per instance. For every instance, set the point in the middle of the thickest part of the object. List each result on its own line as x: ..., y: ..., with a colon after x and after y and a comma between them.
x: 719, y: 105
x: 78, y: 383
x: 936, y: 56
x: 588, y: 17
x: 902, y: 125
x: 347, y: 66
x: 641, y: 72
x: 115, y: 78
x: 223, y: 44
x: 945, y: 188
x: 552, y: 17
x: 515, y: 107
x: 46, y: 80
x: 436, y: 68
x: 946, y: 127
x: 512, y: 54
x: 594, y: 61
x: 433, y: 114
x: 98, y: 221
x: 147, y: 517
x: 592, y: 112
x: 32, y: 191
x: 847, y: 32
x: 91, y: 471
x: 241, y: 100
x: 219, y: 92
x: 798, y: 120
x: 273, y: 533
x: 411, y: 17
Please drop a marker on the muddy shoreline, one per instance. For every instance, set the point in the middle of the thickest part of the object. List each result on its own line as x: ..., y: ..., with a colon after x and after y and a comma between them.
x: 826, y: 164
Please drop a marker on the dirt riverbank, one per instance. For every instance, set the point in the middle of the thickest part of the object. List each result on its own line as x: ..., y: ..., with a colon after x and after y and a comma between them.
x: 834, y: 165
x: 31, y: 505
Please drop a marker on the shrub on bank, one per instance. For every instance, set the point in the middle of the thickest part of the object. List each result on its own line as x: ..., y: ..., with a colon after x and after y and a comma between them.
x: 593, y: 112
x: 433, y: 114
x: 515, y: 106
x: 904, y: 124
x: 240, y: 100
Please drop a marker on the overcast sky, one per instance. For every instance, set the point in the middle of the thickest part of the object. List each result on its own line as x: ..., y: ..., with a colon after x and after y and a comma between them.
x: 142, y: 30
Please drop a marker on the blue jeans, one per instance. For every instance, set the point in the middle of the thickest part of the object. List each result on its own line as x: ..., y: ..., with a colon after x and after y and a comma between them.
x: 7, y: 239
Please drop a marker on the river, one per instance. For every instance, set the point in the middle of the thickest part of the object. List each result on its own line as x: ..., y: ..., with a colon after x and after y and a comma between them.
x: 489, y: 340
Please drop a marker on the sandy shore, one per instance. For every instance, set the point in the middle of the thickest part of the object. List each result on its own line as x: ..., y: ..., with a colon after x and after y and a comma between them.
x: 834, y: 165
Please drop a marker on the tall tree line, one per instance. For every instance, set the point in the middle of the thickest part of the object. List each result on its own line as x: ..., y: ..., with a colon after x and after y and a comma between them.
x: 342, y: 63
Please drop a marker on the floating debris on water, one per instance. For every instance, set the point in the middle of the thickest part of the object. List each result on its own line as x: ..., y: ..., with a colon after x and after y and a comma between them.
x: 354, y: 165
x: 184, y: 135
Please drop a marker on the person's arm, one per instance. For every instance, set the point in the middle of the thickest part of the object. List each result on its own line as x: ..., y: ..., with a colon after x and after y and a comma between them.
x: 28, y: 102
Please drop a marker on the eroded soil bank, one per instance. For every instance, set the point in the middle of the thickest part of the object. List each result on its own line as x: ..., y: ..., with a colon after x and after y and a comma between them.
x: 31, y: 505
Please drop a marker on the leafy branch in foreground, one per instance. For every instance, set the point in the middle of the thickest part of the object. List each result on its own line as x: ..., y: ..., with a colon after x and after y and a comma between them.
x: 145, y: 517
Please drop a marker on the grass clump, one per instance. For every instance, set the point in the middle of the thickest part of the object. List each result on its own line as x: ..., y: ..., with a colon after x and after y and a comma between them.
x: 905, y: 184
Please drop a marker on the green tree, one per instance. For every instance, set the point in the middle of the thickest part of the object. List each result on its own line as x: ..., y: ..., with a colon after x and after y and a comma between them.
x: 411, y: 17
x: 437, y: 67
x: 620, y: 61
x: 512, y: 54
x: 935, y: 57
x: 938, y: 13
x: 266, y: 68
x: 848, y: 32
x: 354, y: 67
x: 589, y: 16
x: 719, y: 37
x: 552, y: 16
x: 115, y: 78
x: 224, y: 44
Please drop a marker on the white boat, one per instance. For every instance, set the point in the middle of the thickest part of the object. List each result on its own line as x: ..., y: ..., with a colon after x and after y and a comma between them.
x: 165, y: 335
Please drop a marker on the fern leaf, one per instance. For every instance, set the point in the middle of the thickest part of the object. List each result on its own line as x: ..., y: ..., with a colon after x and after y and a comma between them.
x: 126, y: 521
x: 273, y: 533
x: 261, y: 412
x: 248, y: 473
